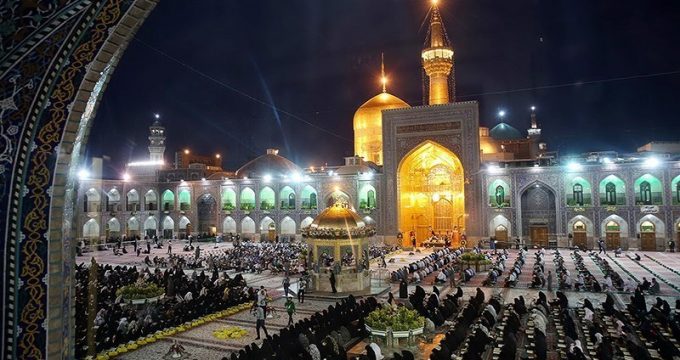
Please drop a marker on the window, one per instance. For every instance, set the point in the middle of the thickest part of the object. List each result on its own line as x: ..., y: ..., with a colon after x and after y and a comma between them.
x: 312, y: 201
x: 577, y: 191
x: 645, y: 193
x: 500, y: 195
x: 610, y: 194
x: 291, y: 201
x: 371, y: 199
x: 677, y: 191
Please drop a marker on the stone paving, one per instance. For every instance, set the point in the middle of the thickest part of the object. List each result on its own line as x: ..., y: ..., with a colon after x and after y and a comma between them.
x: 201, y: 344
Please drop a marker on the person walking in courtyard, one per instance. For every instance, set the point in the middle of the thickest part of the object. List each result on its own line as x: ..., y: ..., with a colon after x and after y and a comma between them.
x: 550, y: 280
x: 600, y: 244
x: 671, y: 246
x: 290, y: 309
x: 260, y: 315
x: 286, y: 286
x: 302, y: 286
x: 169, y: 248
x: 198, y: 252
x: 332, y: 279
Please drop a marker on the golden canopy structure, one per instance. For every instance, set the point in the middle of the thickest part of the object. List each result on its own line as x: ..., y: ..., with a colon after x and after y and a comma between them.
x: 339, y: 233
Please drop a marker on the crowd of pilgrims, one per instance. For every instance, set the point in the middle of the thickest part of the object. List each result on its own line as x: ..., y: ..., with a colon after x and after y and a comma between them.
x: 442, y: 260
x: 116, y: 322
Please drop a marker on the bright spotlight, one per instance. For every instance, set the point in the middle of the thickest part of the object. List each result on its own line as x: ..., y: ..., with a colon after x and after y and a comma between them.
x: 607, y: 160
x: 574, y: 166
x: 126, y: 177
x: 83, y: 174
x: 501, y: 114
x: 533, y: 108
x: 296, y: 177
x: 652, y: 162
x: 157, y: 115
x: 266, y: 178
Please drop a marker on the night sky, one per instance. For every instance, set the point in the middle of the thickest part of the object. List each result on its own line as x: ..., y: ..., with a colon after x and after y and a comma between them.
x: 201, y: 64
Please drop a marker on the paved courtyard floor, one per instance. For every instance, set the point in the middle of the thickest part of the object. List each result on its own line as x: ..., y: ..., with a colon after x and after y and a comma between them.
x: 201, y: 343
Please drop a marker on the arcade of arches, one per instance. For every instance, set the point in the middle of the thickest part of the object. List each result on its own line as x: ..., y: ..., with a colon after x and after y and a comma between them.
x: 431, y: 192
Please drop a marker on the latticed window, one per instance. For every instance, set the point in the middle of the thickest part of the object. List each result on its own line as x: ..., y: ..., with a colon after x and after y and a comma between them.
x: 577, y: 191
x: 610, y: 193
x: 645, y: 193
x: 370, y: 199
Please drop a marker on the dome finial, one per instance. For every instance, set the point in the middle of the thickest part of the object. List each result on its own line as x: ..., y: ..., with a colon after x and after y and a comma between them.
x: 383, y: 78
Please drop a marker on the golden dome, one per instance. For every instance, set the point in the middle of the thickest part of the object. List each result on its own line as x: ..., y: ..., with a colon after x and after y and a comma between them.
x: 338, y: 217
x: 368, y: 125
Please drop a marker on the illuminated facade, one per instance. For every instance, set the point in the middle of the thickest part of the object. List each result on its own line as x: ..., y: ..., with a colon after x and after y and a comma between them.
x: 421, y: 169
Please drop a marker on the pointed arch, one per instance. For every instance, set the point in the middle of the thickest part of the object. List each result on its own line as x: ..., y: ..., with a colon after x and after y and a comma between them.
x: 614, y: 223
x: 151, y: 223
x: 92, y: 200
x: 309, y: 197
x: 229, y: 225
x: 267, y: 198
x: 133, y: 224
x: 288, y: 226
x: 132, y: 200
x: 612, y: 191
x: 287, y: 198
x: 184, y: 200
x: 499, y: 193
x: 581, y: 223
x: 338, y: 196
x: 228, y: 197
x: 168, y: 202
x: 651, y: 223
x: 579, y: 192
x: 267, y: 224
x: 184, y: 222
x: 306, y: 222
x: 168, y: 223
x: 648, y: 190
x: 248, y: 225
x: 247, y: 199
x: 91, y: 229
x: 113, y: 200
x: 150, y: 200
x: 113, y: 225
x: 675, y: 190
x: 367, y: 197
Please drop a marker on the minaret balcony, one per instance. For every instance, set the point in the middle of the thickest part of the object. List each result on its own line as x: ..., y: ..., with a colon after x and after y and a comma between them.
x: 437, y: 53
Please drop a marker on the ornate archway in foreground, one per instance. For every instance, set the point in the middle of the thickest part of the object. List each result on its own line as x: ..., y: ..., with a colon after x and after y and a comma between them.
x: 55, y: 63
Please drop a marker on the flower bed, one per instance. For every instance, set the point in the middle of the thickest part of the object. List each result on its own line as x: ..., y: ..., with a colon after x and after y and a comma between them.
x: 160, y: 334
x: 402, y: 321
x: 140, y: 292
x: 230, y: 332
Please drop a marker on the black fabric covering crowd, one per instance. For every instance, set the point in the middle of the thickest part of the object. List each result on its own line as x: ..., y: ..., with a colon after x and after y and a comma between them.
x: 324, y: 335
x: 116, y: 322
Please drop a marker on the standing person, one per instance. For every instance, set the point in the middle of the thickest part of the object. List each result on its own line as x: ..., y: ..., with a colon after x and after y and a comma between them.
x: 191, y: 240
x: 333, y: 282
x: 260, y: 315
x: 286, y: 285
x: 302, y: 286
x: 550, y: 280
x: 135, y: 243
x: 600, y: 244
x: 671, y: 246
x: 290, y: 309
x: 169, y: 248
x: 198, y: 252
x: 148, y: 247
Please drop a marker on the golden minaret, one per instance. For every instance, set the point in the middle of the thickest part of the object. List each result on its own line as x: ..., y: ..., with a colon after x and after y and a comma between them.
x: 438, y: 60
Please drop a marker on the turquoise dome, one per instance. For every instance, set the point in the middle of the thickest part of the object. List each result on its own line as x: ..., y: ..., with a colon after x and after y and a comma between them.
x: 504, y: 131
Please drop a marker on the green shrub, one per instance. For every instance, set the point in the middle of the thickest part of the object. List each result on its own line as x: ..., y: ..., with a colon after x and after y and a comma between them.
x: 399, y: 319
x: 140, y: 291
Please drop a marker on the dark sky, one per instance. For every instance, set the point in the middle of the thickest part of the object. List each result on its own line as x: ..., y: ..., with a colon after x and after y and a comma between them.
x: 320, y: 60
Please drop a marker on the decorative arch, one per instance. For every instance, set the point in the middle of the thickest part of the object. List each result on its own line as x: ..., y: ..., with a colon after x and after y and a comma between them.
x: 608, y: 225
x: 367, y: 197
x: 132, y: 198
x: 168, y: 223
x: 306, y: 222
x: 267, y: 198
x: 92, y: 200
x: 247, y: 199
x: 287, y: 198
x: 648, y: 221
x: 500, y: 220
x: 150, y: 200
x: 499, y: 193
x: 675, y: 190
x: 338, y: 196
x: 309, y: 197
x: 228, y: 197
x: 573, y: 225
x: 229, y: 225
x: 430, y: 188
x: 184, y: 223
x: 248, y: 225
x: 113, y: 200
x: 612, y: 191
x: 151, y: 223
x: 133, y: 224
x: 114, y: 226
x: 648, y: 190
x: 91, y: 229
x: 288, y: 226
x: 539, y: 212
x: 168, y: 203
x: 267, y: 224
x: 579, y: 192
x: 184, y: 200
